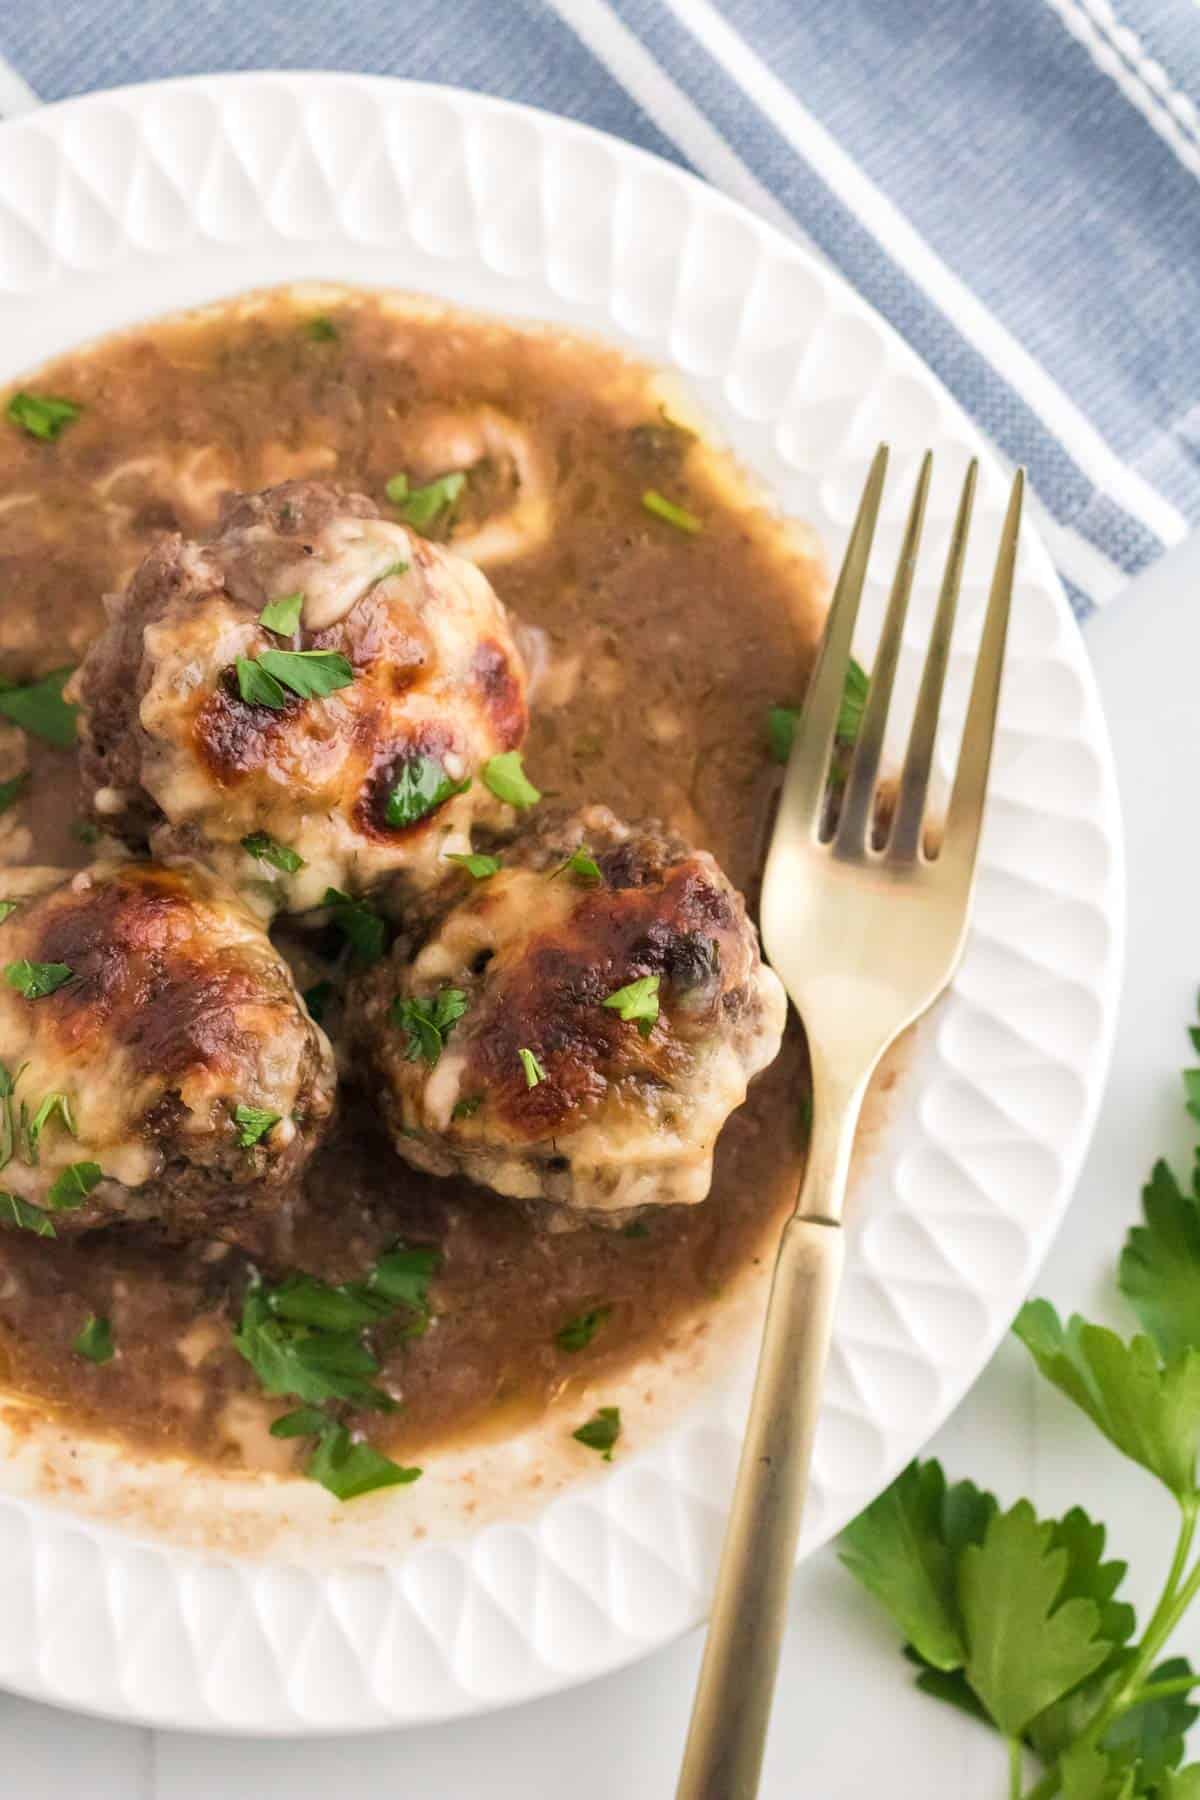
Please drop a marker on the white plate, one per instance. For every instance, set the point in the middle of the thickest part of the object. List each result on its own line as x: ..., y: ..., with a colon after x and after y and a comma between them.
x: 123, y: 206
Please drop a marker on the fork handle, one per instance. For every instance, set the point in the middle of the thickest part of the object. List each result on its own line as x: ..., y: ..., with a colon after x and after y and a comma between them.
x: 737, y: 1677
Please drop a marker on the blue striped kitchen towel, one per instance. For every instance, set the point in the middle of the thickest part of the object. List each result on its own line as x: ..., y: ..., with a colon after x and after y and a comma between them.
x: 1014, y: 185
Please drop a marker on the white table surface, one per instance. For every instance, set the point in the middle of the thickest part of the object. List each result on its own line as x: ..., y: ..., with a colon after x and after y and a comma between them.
x: 848, y: 1724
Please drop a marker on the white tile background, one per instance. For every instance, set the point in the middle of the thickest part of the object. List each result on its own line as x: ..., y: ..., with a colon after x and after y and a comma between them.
x: 848, y: 1724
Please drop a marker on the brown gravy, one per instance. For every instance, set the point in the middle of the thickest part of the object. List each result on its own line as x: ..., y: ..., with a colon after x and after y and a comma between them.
x: 665, y: 652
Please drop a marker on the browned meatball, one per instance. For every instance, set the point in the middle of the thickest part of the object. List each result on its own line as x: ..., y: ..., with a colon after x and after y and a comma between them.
x: 194, y: 738
x: 158, y: 1062
x: 576, y: 1026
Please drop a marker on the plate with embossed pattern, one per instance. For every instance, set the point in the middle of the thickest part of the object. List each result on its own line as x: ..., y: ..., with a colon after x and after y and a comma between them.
x: 149, y: 1591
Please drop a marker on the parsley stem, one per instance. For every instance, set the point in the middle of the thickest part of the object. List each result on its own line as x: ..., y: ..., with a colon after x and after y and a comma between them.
x: 1014, y: 1768
x: 1163, y: 1690
x: 1177, y: 1596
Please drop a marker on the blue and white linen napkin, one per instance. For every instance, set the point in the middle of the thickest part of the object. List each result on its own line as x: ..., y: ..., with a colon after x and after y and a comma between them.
x: 1014, y: 183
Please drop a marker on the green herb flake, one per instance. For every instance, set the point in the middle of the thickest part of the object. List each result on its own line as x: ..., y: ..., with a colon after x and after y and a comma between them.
x: 95, y: 1341
x: 18, y: 1212
x: 637, y: 1003
x: 295, y: 1359
x: 481, y: 868
x: 402, y: 1277
x: 73, y: 1184
x: 85, y: 832
x: 38, y: 708
x: 11, y: 791
x: 283, y: 615
x: 420, y: 506
x: 348, y: 1469
x: 534, y: 1072
x: 312, y: 674
x: 7, y: 909
x: 578, y: 1333
x: 257, y: 688
x: 303, y: 1421
x: 359, y: 924
x: 42, y: 415
x: 317, y: 998
x: 665, y: 509
x: 636, y: 1228
x: 468, y: 1107
x: 267, y: 849
x: 36, y: 980
x: 782, y: 720
x: 505, y: 776
x: 255, y: 1122
x: 306, y: 1300
x: 582, y: 865
x: 321, y: 329
x: 420, y: 785
x: 601, y: 1431
x: 428, y: 1022
x: 51, y: 1104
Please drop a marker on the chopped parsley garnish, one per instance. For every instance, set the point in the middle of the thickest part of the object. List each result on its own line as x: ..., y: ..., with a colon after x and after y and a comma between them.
x: 578, y: 1333
x: 11, y: 791
x: 420, y: 785
x: 601, y: 1431
x: 85, y: 831
x: 255, y: 1122
x: 396, y: 568
x: 349, y: 1469
x: 468, y: 1107
x: 420, y: 506
x: 782, y: 720
x: 310, y: 674
x: 505, y: 775
x: 678, y: 516
x: 42, y: 415
x: 304, y: 1421
x: 7, y: 908
x: 428, y: 1022
x: 51, y: 1104
x: 18, y: 1212
x: 636, y: 1228
x: 305, y: 1300
x: 581, y: 865
x: 73, y: 1185
x: 38, y: 707
x: 402, y: 1276
x: 482, y: 868
x: 36, y: 980
x: 359, y: 924
x: 283, y: 615
x: 637, y: 1003
x: 321, y: 329
x: 8, y: 1117
x: 317, y: 998
x: 269, y: 850
x: 95, y: 1341
x: 534, y: 1072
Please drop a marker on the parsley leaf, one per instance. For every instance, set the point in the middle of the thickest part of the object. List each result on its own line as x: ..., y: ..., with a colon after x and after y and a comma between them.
x: 11, y: 791
x: 7, y: 909
x: 42, y: 415
x: 269, y: 850
x: 665, y: 509
x: 257, y: 688
x: 601, y: 1431
x: 283, y: 615
x: 582, y: 865
x: 349, y: 1469
x: 420, y: 506
x: 482, y: 868
x: 36, y: 980
x: 898, y: 1549
x: 1153, y: 1732
x: 1088, y: 1774
x: 1027, y: 1644
x: 1160, y: 1265
x: 359, y: 924
x: 73, y: 1184
x: 428, y: 1022
x: 534, y: 1072
x: 306, y: 1300
x: 314, y: 1365
x: 38, y: 708
x: 1181, y: 1784
x: 310, y: 673
x: 95, y: 1341
x: 321, y: 329
x: 51, y: 1104
x: 317, y: 998
x: 15, y: 1211
x: 505, y: 775
x: 402, y: 1276
x: 468, y: 1107
x: 637, y: 1003
x: 255, y: 1122
x: 303, y: 1421
x: 782, y: 720
x: 420, y: 785
x: 1149, y: 1410
x: 578, y: 1333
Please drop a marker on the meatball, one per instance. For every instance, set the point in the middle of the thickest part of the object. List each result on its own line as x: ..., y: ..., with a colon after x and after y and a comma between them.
x: 340, y: 736
x: 575, y: 1027
x: 157, y: 1061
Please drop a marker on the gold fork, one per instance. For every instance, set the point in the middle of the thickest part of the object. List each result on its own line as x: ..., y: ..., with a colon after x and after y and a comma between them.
x: 864, y: 938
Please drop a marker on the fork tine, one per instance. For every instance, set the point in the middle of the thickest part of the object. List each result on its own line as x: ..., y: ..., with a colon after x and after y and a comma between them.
x: 803, y: 795
x: 965, y: 817
x: 858, y: 803
x: 905, y: 838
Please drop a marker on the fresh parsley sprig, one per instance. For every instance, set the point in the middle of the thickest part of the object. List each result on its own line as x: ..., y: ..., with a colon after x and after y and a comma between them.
x: 1018, y: 1620
x: 782, y: 720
